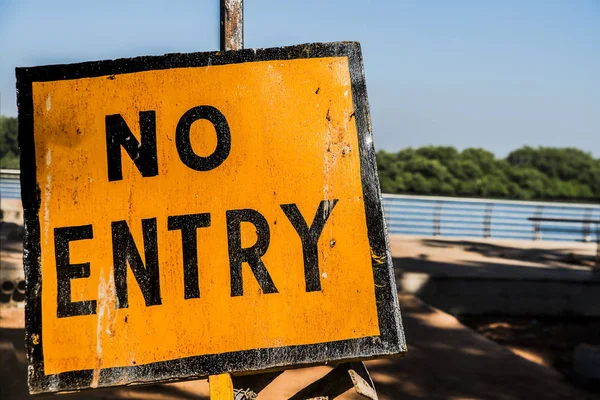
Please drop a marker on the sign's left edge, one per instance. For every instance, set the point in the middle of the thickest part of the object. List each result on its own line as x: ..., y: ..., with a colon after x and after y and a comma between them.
x: 30, y: 196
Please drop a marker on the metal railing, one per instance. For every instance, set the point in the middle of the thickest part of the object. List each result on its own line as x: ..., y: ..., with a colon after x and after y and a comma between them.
x: 486, y: 218
x: 10, y: 185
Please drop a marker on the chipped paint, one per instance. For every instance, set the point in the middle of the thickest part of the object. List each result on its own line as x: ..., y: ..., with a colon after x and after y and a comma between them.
x: 107, y: 319
x: 378, y: 259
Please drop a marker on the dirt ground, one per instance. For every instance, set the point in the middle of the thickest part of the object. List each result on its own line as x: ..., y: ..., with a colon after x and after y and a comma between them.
x: 546, y: 341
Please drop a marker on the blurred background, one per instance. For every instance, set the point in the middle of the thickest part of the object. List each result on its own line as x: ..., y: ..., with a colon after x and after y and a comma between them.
x: 485, y: 116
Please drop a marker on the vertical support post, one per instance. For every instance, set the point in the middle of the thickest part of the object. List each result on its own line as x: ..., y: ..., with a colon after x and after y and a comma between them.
x: 220, y: 387
x: 487, y: 221
x: 437, y: 218
x: 232, y: 38
x: 597, y: 264
x: 232, y: 25
x: 586, y: 231
x: 537, y: 225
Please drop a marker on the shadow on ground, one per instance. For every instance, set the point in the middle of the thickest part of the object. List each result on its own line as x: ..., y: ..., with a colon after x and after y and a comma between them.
x: 449, y: 258
x: 447, y: 361
x: 554, y: 257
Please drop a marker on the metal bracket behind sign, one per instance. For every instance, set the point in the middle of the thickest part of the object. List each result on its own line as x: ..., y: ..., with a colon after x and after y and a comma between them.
x: 342, y: 378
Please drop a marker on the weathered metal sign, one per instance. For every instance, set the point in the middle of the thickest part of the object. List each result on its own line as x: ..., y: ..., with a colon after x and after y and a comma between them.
x: 193, y: 214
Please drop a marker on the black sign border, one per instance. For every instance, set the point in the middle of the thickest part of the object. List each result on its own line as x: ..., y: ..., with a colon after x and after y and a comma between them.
x: 391, y: 340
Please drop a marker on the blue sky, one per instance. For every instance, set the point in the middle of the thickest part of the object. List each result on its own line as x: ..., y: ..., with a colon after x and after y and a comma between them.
x: 492, y: 74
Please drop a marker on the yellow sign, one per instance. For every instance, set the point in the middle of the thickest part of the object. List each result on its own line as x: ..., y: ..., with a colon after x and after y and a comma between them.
x: 194, y: 210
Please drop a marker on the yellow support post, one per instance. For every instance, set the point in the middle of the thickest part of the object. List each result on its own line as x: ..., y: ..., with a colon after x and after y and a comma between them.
x: 220, y: 387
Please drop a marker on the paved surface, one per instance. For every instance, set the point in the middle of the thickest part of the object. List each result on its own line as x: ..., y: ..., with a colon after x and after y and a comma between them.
x: 445, y: 361
x: 508, y: 277
x: 495, y: 258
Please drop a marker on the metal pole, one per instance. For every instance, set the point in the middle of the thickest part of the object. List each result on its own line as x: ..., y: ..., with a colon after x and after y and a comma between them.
x: 437, y: 218
x: 232, y: 25
x: 232, y: 38
x: 487, y: 221
x: 597, y: 265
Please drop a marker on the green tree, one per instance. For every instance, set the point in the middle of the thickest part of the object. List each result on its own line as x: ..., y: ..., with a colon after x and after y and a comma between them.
x: 9, y: 146
x: 527, y: 173
x: 443, y: 154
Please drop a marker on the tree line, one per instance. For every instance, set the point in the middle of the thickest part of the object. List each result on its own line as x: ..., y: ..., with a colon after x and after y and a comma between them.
x: 9, y: 146
x: 543, y: 173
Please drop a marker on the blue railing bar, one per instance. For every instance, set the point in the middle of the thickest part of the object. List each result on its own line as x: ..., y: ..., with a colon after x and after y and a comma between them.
x: 474, y: 200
